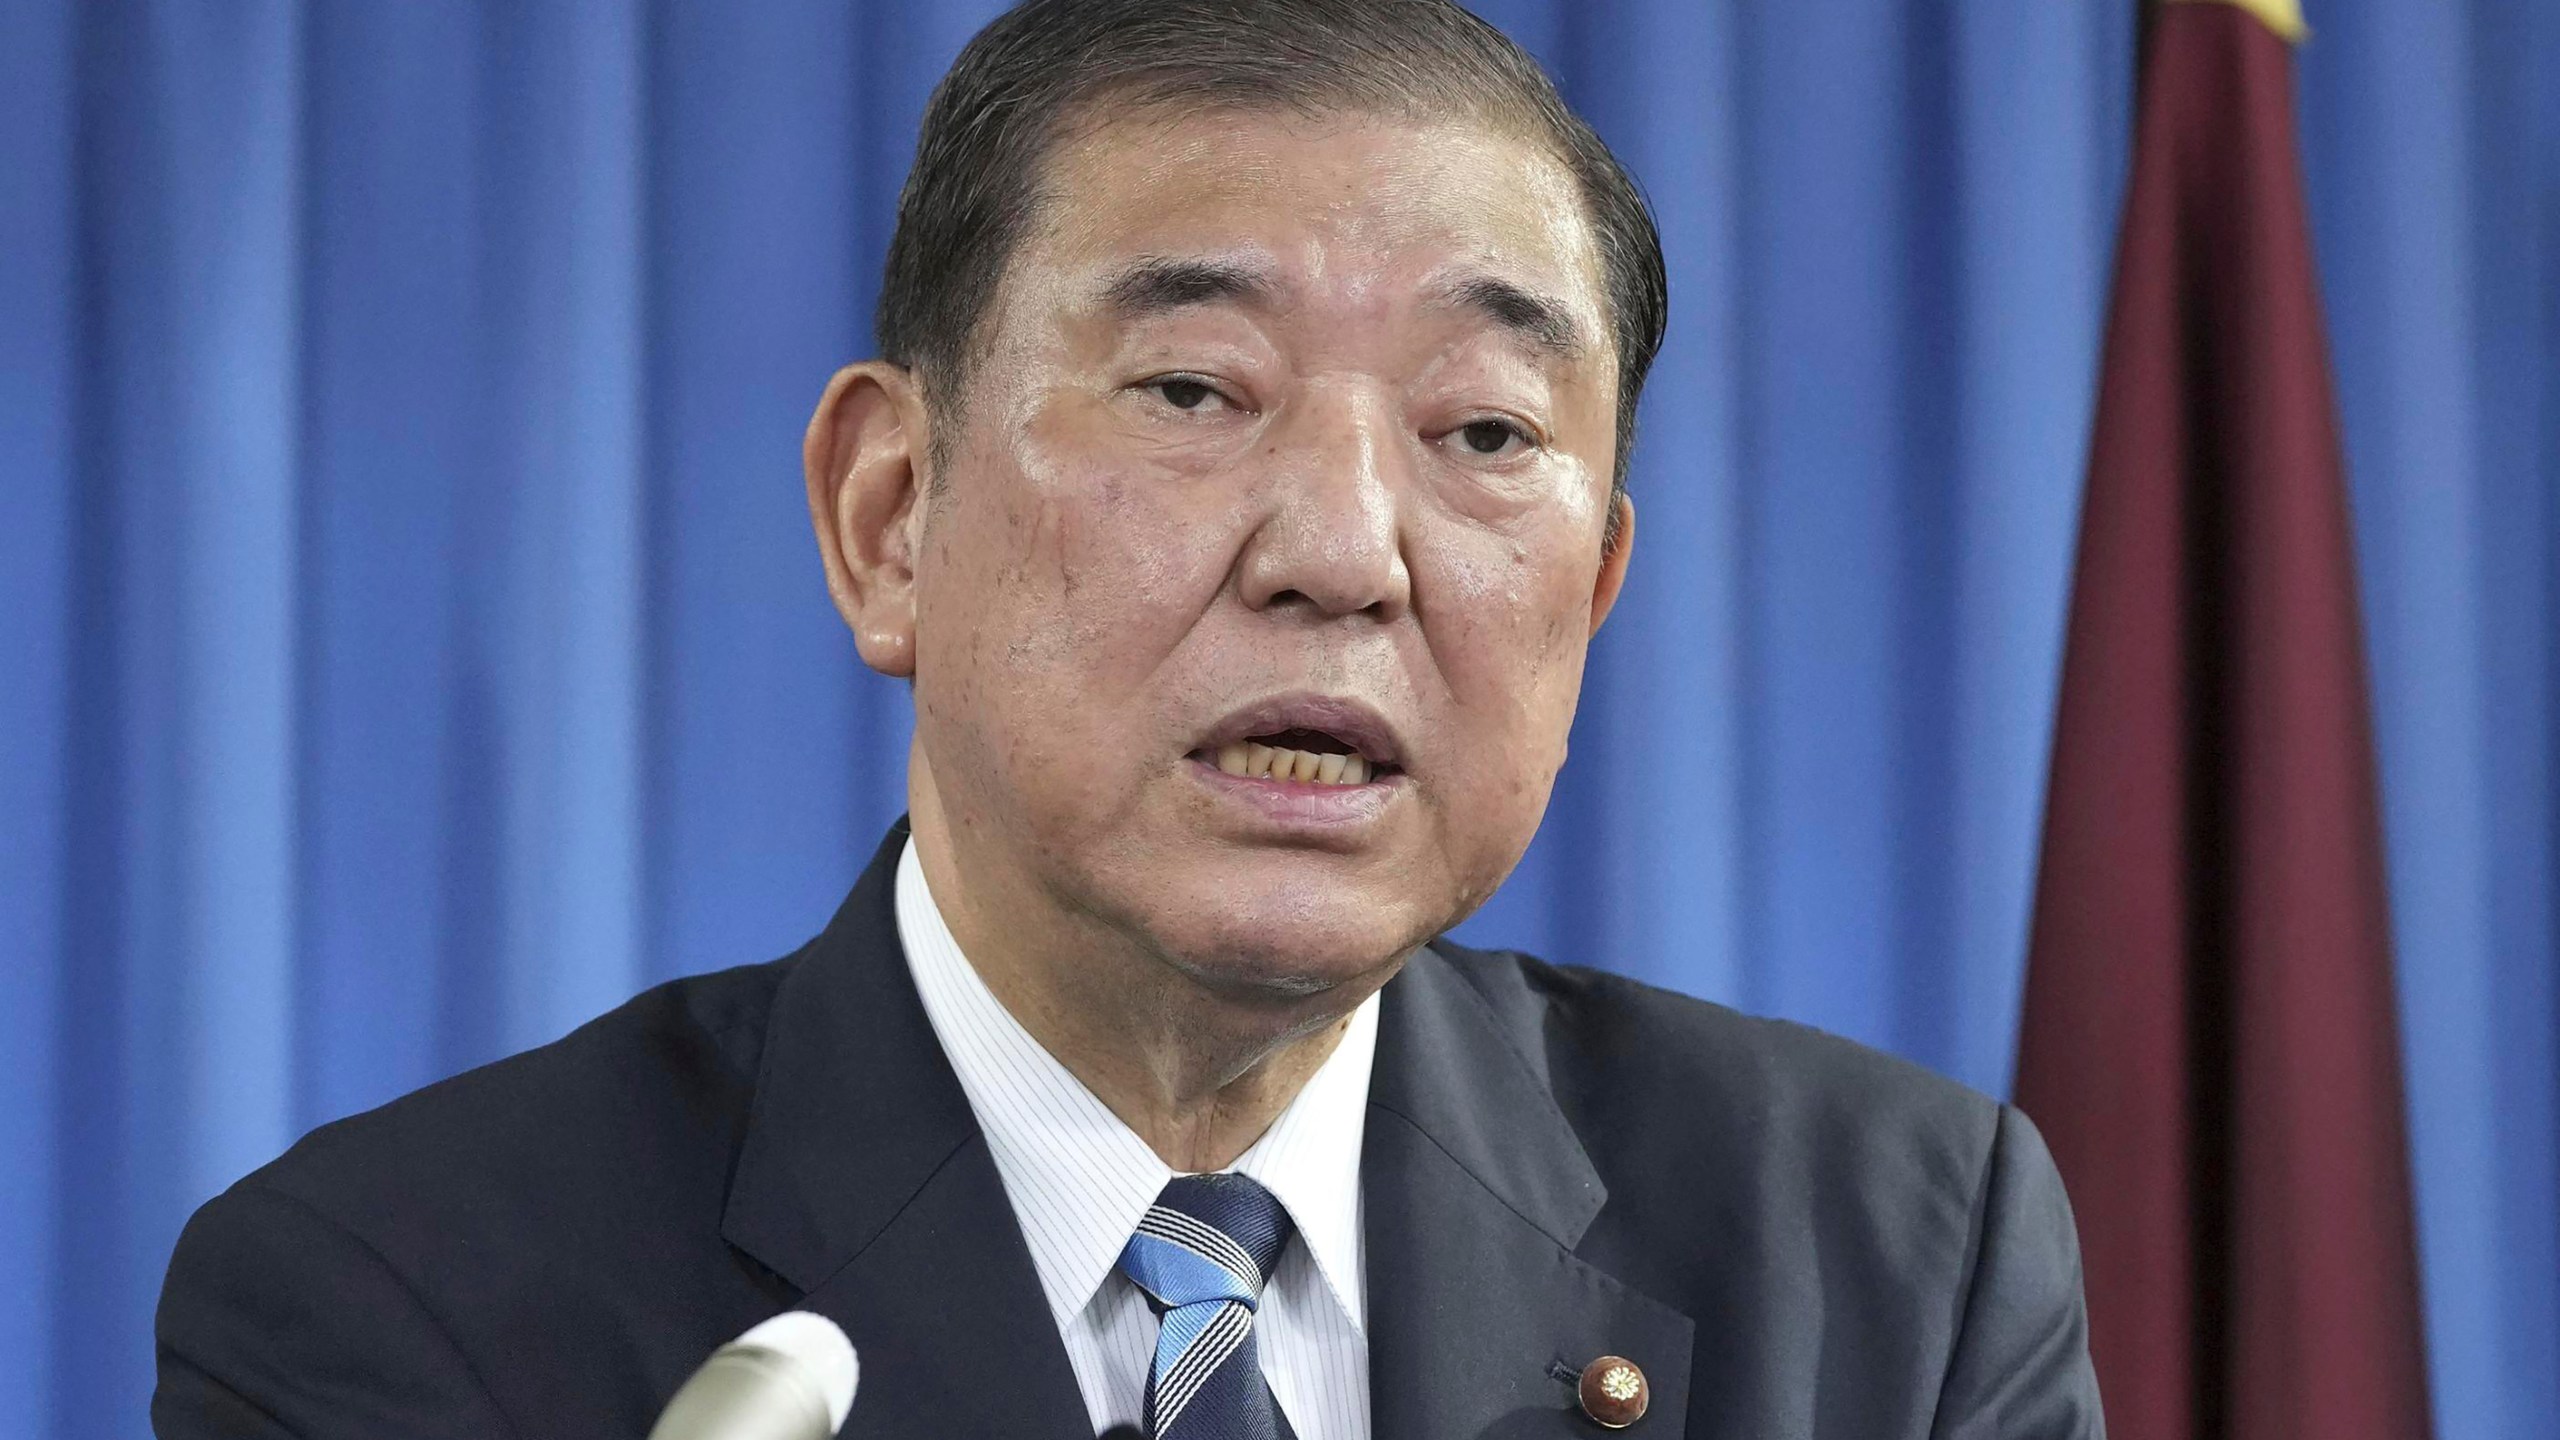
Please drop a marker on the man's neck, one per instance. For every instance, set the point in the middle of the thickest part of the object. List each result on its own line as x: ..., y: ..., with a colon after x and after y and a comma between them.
x: 1197, y: 1074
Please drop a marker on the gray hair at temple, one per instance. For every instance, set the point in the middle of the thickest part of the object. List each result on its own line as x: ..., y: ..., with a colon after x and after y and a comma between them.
x: 1016, y: 89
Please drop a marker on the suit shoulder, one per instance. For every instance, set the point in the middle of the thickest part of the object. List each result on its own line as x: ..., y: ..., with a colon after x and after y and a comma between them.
x: 647, y: 1095
x: 1620, y: 1053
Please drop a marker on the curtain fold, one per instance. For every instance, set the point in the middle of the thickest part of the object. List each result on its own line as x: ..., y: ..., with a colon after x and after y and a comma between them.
x: 2433, y: 160
x: 411, y: 644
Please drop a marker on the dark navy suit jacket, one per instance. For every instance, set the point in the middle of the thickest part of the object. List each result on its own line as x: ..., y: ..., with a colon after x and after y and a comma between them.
x: 1793, y: 1236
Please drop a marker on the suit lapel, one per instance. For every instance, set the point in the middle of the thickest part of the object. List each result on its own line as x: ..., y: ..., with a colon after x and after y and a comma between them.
x: 865, y: 1184
x: 1476, y: 1192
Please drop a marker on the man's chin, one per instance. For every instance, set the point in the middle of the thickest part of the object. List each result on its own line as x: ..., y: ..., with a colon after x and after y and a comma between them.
x: 1285, y: 953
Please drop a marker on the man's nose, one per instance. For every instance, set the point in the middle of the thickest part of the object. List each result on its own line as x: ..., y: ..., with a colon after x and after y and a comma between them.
x: 1329, y: 539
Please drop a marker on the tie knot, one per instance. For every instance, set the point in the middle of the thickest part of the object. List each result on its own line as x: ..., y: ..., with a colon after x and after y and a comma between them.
x: 1207, y: 1237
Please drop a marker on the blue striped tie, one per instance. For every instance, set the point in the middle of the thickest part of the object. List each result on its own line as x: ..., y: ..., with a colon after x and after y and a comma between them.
x: 1201, y: 1255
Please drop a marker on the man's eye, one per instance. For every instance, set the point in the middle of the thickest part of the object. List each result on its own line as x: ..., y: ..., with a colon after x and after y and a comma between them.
x: 1182, y: 393
x: 1490, y: 437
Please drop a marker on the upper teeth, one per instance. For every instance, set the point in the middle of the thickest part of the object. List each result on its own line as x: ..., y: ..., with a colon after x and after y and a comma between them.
x: 1263, y: 762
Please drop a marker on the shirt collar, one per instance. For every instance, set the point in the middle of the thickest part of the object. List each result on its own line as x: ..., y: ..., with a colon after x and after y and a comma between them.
x: 1079, y: 1178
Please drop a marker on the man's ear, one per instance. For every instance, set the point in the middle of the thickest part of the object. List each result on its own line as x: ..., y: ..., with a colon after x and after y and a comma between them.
x: 864, y: 456
x: 1613, y: 561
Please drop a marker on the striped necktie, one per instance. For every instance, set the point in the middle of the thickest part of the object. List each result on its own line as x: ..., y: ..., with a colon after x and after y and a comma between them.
x: 1201, y: 1255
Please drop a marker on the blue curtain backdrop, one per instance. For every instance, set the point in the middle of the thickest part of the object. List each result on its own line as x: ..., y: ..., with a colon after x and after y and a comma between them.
x: 410, y: 644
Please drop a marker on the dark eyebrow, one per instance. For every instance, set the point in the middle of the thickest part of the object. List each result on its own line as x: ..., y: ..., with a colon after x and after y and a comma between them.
x: 1153, y: 286
x: 1546, y: 324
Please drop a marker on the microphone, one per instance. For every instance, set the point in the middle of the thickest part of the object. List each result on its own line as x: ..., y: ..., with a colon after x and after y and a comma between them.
x: 1122, y: 1432
x: 790, y: 1378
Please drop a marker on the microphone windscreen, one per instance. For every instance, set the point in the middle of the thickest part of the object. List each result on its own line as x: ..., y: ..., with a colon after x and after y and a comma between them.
x: 1122, y: 1432
x: 820, y: 1347
x: 790, y: 1378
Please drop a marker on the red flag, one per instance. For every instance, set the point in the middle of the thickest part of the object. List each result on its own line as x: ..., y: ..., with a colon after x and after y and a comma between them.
x: 2210, y: 1042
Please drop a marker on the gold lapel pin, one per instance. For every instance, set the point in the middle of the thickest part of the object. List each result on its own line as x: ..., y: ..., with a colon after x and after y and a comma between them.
x: 1613, y: 1392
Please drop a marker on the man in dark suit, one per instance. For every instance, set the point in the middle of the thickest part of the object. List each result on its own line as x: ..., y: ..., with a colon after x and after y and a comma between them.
x: 1240, y: 489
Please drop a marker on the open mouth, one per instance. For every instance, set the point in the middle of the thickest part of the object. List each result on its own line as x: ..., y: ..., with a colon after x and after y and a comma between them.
x: 1311, y: 757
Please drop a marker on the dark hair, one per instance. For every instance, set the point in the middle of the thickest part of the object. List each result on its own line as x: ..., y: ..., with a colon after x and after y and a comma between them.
x: 1017, y: 87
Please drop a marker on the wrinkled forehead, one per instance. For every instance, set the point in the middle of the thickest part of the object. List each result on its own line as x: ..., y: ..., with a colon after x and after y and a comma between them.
x: 1340, y: 212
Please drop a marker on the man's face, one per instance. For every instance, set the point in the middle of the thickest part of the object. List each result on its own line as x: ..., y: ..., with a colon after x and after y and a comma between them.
x: 1291, y: 437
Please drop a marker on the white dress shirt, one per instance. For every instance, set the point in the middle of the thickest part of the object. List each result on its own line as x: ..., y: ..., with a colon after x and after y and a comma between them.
x: 1079, y: 1180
